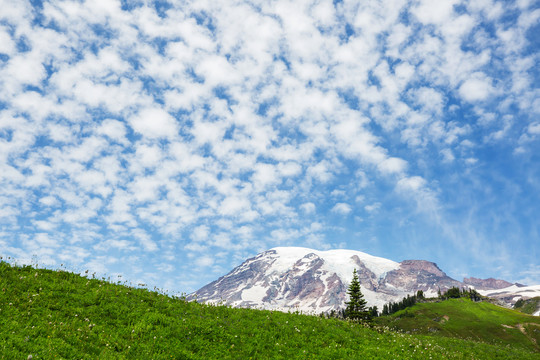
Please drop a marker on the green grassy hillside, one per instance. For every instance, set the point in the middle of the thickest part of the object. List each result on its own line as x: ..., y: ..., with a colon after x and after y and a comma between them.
x: 60, y: 315
x: 462, y: 318
x: 529, y: 306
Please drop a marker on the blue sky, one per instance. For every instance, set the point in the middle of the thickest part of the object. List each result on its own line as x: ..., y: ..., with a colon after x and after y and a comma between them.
x: 167, y: 141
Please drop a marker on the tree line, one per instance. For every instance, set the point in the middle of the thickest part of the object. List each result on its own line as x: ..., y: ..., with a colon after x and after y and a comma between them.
x: 408, y: 301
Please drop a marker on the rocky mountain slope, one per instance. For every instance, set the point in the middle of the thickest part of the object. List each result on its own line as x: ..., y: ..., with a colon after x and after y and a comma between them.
x: 486, y: 284
x: 509, y: 295
x: 293, y: 278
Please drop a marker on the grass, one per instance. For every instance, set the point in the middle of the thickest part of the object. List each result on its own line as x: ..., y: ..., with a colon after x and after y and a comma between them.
x: 59, y: 315
x: 462, y: 318
x: 528, y: 306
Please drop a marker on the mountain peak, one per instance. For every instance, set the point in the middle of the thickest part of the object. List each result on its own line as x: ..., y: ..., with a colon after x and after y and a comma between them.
x: 297, y: 278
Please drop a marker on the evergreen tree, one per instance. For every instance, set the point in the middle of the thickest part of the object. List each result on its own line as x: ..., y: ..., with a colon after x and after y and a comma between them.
x: 475, y: 296
x: 453, y: 293
x: 356, y: 306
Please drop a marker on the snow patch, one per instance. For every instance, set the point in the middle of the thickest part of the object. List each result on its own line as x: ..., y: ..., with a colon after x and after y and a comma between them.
x: 336, y: 261
x: 524, y: 291
x: 255, y: 293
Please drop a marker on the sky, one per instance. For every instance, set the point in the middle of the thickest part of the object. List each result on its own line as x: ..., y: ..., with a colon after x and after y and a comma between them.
x: 164, y: 142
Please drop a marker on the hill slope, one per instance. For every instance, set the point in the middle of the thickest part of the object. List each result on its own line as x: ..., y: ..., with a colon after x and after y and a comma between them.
x: 462, y: 318
x: 55, y: 314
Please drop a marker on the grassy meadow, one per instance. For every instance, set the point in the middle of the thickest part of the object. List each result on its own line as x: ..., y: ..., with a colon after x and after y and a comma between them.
x: 464, y: 319
x: 60, y: 315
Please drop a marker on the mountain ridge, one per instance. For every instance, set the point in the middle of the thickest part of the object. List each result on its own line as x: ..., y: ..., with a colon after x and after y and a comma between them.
x: 314, y: 281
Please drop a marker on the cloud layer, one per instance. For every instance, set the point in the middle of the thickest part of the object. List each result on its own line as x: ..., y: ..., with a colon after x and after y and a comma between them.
x: 155, y: 138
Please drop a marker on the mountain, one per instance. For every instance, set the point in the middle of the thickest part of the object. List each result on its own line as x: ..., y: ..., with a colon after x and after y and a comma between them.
x: 294, y: 278
x: 487, y: 284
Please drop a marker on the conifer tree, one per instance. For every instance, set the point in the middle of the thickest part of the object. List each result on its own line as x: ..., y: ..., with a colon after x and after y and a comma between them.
x: 356, y: 306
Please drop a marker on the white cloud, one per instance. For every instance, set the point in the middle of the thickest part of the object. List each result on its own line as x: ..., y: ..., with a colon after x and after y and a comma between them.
x: 372, y: 207
x: 114, y: 129
x: 216, y: 70
x: 7, y: 46
x: 49, y: 201
x: 447, y: 155
x: 209, y: 132
x: 204, y: 261
x: 145, y: 240
x: 234, y: 206
x: 477, y: 88
x: 25, y: 70
x: 342, y: 209
x: 430, y: 99
x: 289, y: 168
x: 265, y: 175
x: 200, y: 233
x: 413, y: 183
x: 106, y: 245
x: 534, y: 128
x: 321, y: 171
x: 430, y: 12
x: 45, y: 225
x: 308, y: 208
x: 283, y: 235
x: 154, y: 123
x: 392, y: 166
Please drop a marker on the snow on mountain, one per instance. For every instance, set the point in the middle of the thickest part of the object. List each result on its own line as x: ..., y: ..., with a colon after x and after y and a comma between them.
x: 312, y: 281
x: 509, y: 295
x: 340, y: 261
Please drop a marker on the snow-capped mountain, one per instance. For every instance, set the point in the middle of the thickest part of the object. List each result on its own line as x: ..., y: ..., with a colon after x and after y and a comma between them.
x: 294, y: 278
